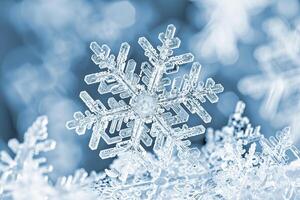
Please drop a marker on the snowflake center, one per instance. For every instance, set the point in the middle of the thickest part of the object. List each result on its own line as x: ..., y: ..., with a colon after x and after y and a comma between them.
x: 145, y: 105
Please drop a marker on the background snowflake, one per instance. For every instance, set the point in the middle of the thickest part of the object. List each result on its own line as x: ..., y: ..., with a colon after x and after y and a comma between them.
x: 278, y: 84
x: 218, y: 40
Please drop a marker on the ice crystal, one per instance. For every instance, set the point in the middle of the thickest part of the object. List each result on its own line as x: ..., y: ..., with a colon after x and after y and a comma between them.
x: 219, y: 38
x: 280, y: 64
x: 147, y: 108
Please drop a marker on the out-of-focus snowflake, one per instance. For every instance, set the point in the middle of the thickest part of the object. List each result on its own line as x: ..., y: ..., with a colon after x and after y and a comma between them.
x: 279, y: 82
x: 146, y: 106
x: 26, y: 171
x: 227, y: 23
x: 25, y: 176
x: 60, y: 15
x: 288, y: 9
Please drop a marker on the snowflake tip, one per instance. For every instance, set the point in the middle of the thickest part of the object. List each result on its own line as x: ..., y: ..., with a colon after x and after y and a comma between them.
x: 214, y: 89
x: 240, y: 107
x: 100, y: 53
x: 168, y: 39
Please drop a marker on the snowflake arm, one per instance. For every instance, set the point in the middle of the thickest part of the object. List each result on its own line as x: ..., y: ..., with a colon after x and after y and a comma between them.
x: 115, y: 80
x: 99, y: 119
x: 191, y: 93
x: 165, y: 62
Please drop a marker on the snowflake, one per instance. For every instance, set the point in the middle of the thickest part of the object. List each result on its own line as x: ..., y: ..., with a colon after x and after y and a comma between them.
x: 280, y: 64
x: 28, y: 170
x: 151, y: 108
x: 219, y: 38
x: 238, y: 128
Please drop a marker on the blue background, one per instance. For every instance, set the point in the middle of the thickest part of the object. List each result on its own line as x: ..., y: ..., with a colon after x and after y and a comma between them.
x: 44, y: 56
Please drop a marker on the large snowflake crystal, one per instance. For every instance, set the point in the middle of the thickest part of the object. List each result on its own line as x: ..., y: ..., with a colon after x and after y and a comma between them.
x: 151, y: 111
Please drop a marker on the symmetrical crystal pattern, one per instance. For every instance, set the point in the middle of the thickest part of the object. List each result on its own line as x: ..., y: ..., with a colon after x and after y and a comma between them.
x: 147, y: 108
